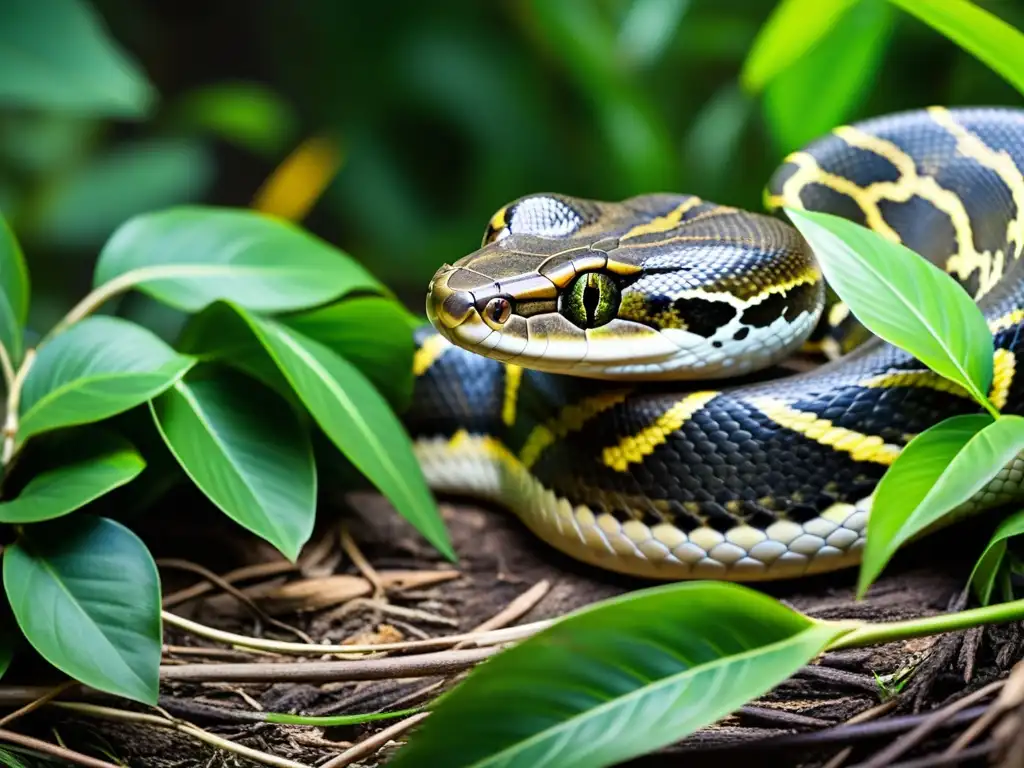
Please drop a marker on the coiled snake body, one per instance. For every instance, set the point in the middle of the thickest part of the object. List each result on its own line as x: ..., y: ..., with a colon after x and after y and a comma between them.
x: 630, y: 408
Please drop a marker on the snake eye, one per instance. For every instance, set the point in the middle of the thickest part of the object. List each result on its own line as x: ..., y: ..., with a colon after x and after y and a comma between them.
x: 591, y: 300
x: 497, y: 311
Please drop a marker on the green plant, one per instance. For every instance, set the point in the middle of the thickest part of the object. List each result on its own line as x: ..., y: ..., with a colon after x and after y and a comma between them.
x: 273, y: 349
x: 261, y: 363
x: 632, y: 674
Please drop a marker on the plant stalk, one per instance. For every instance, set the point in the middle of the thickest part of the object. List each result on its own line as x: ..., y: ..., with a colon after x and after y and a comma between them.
x: 876, y: 634
x: 92, y: 301
x: 10, y: 429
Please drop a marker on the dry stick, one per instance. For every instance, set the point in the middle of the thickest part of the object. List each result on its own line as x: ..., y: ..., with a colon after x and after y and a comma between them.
x: 362, y: 564
x: 262, y: 570
x: 421, y: 665
x: 860, y: 717
x: 235, y: 592
x: 514, y: 611
x: 373, y: 743
x: 494, y: 637
x: 939, y: 761
x: 123, y: 715
x: 1009, y: 697
x: 910, y: 740
x: 37, y: 703
x: 54, y: 750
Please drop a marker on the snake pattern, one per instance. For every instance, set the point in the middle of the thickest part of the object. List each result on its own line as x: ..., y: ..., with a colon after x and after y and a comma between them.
x: 610, y: 371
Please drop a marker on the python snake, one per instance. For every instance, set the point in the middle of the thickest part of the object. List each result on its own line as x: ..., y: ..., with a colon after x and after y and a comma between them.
x: 611, y: 371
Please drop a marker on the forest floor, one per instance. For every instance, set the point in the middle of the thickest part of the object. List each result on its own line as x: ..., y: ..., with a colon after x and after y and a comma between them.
x: 372, y: 580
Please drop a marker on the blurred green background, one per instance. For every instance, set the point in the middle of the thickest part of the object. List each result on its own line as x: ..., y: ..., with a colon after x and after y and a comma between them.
x: 442, y: 111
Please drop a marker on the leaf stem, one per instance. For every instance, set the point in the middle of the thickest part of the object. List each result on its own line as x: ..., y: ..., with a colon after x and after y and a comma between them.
x: 876, y: 634
x: 7, y: 366
x: 92, y: 301
x: 10, y: 429
x: 988, y: 406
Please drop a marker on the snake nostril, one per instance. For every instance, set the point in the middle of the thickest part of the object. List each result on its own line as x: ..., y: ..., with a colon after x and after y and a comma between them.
x: 455, y: 308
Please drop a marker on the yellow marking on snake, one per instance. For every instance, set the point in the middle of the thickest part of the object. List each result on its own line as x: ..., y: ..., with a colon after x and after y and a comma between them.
x: 427, y: 355
x: 633, y: 448
x: 1008, y: 320
x: 1003, y: 368
x: 570, y: 419
x: 910, y: 183
x: 837, y: 313
x: 1001, y: 163
x: 861, y: 447
x: 1004, y: 365
x: 664, y: 223
x: 513, y: 378
x: 919, y: 379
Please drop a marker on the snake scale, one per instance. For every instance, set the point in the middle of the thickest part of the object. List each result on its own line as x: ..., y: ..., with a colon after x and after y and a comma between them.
x: 614, y: 373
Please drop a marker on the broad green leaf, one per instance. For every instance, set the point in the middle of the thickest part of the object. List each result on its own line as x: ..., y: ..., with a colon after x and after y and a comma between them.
x: 797, y: 108
x: 247, y: 114
x: 648, y: 28
x: 83, y: 207
x: 246, y: 450
x: 385, y: 357
x: 218, y: 334
x: 619, y: 679
x: 13, y: 294
x: 983, y: 576
x: 191, y: 256
x: 976, y: 30
x: 939, y: 470
x: 356, y: 419
x: 99, y: 367
x: 105, y: 464
x: 794, y: 27
x: 903, y: 299
x: 56, y: 55
x: 86, y: 593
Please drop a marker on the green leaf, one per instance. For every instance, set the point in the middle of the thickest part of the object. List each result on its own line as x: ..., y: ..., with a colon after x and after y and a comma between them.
x: 619, y: 679
x: 356, y: 419
x: 247, y: 114
x: 385, y: 358
x: 56, y: 55
x: 14, y: 294
x: 86, y: 593
x: 106, y: 464
x: 246, y: 450
x: 939, y: 470
x: 979, y: 32
x: 648, y: 28
x: 82, y: 208
x: 10, y: 760
x: 797, y: 108
x: 191, y: 256
x: 101, y: 366
x: 903, y: 299
x: 983, y: 576
x: 794, y: 27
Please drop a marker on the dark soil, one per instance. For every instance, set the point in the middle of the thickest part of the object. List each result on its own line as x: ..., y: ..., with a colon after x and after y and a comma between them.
x: 799, y: 723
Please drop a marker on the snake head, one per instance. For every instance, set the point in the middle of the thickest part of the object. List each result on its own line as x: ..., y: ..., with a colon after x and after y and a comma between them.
x: 659, y: 286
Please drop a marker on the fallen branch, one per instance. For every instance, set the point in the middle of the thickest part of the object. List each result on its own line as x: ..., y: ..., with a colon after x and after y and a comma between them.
x: 421, y: 665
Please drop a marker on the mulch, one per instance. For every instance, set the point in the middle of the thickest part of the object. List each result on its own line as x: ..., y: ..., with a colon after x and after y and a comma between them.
x: 366, y: 577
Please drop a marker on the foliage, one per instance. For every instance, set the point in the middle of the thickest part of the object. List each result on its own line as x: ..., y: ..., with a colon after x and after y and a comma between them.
x: 243, y: 444
x: 68, y: 571
x: 243, y: 354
